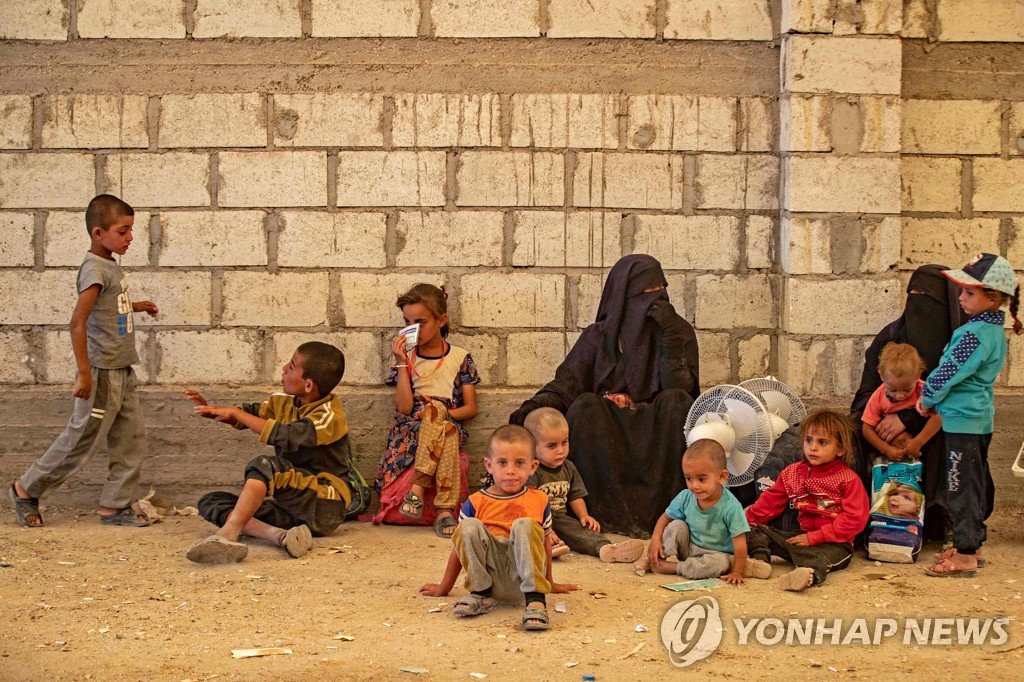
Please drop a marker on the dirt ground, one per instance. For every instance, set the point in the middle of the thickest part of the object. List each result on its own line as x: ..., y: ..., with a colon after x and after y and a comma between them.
x: 83, y: 601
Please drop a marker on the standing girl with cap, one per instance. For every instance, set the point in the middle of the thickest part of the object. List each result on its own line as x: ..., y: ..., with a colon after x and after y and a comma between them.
x: 960, y: 391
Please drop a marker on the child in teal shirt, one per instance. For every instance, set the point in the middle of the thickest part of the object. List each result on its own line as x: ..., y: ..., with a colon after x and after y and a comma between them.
x: 960, y: 391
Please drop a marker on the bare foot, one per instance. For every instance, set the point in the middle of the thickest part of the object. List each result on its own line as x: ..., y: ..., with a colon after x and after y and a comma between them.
x: 755, y: 568
x: 642, y: 565
x: 665, y: 567
x: 796, y: 580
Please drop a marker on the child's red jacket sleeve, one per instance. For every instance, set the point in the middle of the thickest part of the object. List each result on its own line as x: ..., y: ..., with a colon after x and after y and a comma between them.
x: 856, y: 508
x: 770, y: 504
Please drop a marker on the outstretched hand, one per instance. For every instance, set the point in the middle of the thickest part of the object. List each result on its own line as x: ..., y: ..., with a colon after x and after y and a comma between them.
x: 225, y: 415
x: 195, y: 396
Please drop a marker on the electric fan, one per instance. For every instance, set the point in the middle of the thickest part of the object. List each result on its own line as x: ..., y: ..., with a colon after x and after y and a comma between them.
x: 739, y: 422
x: 785, y: 409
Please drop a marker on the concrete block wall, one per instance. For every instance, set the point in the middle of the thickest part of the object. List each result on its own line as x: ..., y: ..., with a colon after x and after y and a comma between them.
x: 296, y: 165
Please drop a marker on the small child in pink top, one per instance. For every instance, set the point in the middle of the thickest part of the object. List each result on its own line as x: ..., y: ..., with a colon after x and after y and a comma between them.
x: 900, y: 367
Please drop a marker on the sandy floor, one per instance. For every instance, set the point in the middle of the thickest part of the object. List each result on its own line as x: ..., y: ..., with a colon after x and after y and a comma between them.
x: 89, y: 602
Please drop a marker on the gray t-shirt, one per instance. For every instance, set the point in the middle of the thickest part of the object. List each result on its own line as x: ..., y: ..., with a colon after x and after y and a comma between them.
x: 110, y: 329
x: 562, y: 485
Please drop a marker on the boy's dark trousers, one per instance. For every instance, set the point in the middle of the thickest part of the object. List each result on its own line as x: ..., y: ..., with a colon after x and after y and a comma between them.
x: 763, y: 541
x: 576, y: 535
x: 970, y: 492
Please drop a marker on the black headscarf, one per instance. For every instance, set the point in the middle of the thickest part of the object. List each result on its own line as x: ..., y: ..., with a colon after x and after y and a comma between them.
x: 622, y: 315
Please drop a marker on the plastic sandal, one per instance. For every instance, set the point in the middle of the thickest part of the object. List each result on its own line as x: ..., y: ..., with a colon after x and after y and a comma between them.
x: 472, y: 605
x: 535, y: 619
x: 25, y: 507
x: 947, y: 569
x: 413, y: 502
x: 125, y: 517
x: 444, y: 522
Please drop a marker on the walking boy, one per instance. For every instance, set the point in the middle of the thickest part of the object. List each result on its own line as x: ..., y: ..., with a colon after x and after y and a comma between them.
x: 301, y: 490
x: 106, y: 403
x: 504, y: 537
x: 558, y: 479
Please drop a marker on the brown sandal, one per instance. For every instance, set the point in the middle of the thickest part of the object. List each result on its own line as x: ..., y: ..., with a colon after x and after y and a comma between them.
x: 412, y: 506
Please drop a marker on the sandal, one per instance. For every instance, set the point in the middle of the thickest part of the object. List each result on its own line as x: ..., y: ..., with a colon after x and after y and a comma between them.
x: 125, y: 517
x: 535, y: 619
x: 472, y: 604
x: 951, y: 552
x: 443, y: 523
x: 24, y: 507
x: 947, y: 569
x: 412, y: 506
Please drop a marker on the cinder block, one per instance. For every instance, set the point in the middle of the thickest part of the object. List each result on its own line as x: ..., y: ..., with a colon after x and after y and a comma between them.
x: 184, y: 298
x: 806, y: 123
x: 601, y: 19
x: 588, y: 296
x: 369, y: 300
x: 60, y: 366
x: 867, y: 305
x: 848, y: 359
x: 919, y: 20
x: 995, y: 21
x: 364, y: 355
x: 881, y: 240
x: 135, y: 19
x: 728, y: 181
x: 755, y: 356
x: 370, y: 18
x: 484, y: 349
x: 152, y: 180
x: 43, y: 180
x: 213, y: 238
x: 673, y: 122
x: 951, y: 126
x: 213, y: 120
x: 845, y: 17
x: 561, y: 120
x: 17, y: 235
x: 247, y: 18
x: 16, y: 358
x: 806, y: 366
x: 756, y: 125
x: 485, y: 18
x: 880, y: 124
x: 15, y: 120
x: 559, y: 239
x: 715, y: 364
x: 760, y: 241
x: 533, y: 357
x: 1014, y: 365
x: 512, y: 300
x: 1017, y: 128
x: 1015, y: 248
x: 930, y: 184
x: 732, y: 301
x: 998, y: 185
x: 830, y: 184
x: 33, y: 297
x: 313, y: 239
x: 95, y: 121
x: 446, y: 120
x: 272, y: 179
x: 34, y: 20
x: 651, y: 180
x: 284, y: 299
x: 701, y: 242
x: 391, y: 178
x: 806, y: 246
x: 328, y: 119
x: 848, y: 64
x: 451, y: 239
x: 719, y: 20
x: 949, y: 241
x: 511, y: 179
x: 66, y: 240
x: 209, y: 356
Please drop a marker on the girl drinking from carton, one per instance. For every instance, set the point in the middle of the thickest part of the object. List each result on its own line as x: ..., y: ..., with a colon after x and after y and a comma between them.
x: 960, y: 391
x: 435, y: 392
x: 832, y: 506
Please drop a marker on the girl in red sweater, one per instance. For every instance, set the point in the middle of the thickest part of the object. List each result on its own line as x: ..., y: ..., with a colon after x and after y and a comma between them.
x: 832, y: 505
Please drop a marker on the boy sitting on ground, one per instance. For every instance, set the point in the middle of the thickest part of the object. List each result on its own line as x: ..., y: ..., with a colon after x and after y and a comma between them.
x: 704, y: 527
x: 504, y: 537
x: 301, y: 490
x: 558, y: 479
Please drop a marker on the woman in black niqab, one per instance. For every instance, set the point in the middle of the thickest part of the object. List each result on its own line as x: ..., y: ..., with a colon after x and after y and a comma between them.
x: 625, y: 389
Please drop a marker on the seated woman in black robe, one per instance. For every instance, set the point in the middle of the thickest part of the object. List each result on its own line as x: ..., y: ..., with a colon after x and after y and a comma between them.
x: 931, y: 314
x: 625, y: 389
